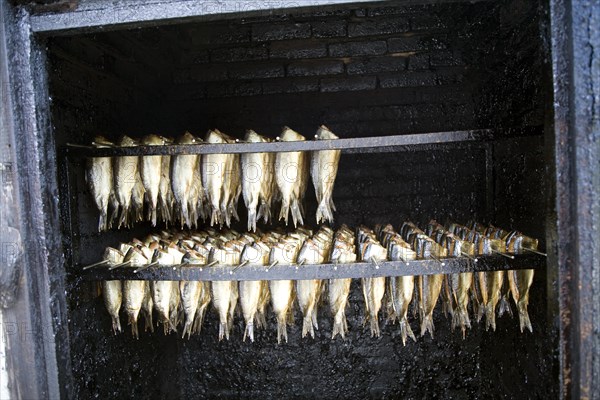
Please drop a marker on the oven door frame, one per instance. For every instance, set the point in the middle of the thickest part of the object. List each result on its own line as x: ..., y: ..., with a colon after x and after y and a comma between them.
x: 39, y: 354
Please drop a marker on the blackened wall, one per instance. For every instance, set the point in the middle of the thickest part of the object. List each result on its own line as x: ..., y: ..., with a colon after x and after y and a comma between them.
x: 372, y: 71
x: 516, y: 81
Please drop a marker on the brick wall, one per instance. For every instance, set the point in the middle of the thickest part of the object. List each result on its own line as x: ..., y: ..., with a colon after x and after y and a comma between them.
x: 373, y: 71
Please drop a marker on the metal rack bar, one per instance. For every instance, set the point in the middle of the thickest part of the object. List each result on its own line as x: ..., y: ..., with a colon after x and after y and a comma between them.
x: 349, y: 145
x: 317, y: 271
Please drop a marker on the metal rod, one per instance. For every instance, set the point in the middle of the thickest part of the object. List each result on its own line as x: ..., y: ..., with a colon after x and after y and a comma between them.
x: 274, y: 263
x: 335, y: 263
x: 437, y: 259
x: 214, y: 262
x: 347, y: 144
x: 469, y: 257
x: 375, y: 262
x: 99, y: 263
x: 119, y: 265
x: 238, y: 267
x: 81, y: 146
x: 143, y: 267
x: 535, y: 251
x: 503, y: 254
x: 183, y: 264
x: 322, y: 271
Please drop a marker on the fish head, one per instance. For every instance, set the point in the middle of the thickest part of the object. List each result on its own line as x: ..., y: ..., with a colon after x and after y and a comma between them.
x: 153, y: 140
x: 126, y: 141
x: 214, y: 136
x: 101, y: 141
x: 164, y: 258
x: 146, y: 251
x: 324, y: 133
x: 124, y: 247
x: 194, y: 258
x: 374, y: 251
x: 187, y: 138
x: 176, y: 253
x: 136, y: 257
x: 113, y: 256
x: 290, y: 135
x: 252, y: 254
x: 201, y: 249
x: 253, y: 137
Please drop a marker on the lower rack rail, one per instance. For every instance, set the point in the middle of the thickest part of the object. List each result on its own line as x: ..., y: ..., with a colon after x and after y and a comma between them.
x: 316, y: 271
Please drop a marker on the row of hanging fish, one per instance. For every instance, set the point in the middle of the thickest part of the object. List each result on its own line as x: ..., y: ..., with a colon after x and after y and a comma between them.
x: 185, y: 303
x: 182, y: 189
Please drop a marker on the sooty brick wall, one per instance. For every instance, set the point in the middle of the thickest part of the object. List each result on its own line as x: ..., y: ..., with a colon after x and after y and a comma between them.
x: 373, y: 71
x: 363, y: 71
x: 516, y: 79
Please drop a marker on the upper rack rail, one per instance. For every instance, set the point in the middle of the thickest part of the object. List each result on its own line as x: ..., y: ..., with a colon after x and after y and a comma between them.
x: 348, y: 145
x: 317, y: 271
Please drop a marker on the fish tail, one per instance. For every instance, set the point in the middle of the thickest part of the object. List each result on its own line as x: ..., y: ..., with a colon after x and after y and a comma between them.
x: 132, y: 318
x: 315, y: 323
x: 406, y: 331
x: 281, y: 328
x: 427, y: 325
x: 163, y: 209
x: 226, y: 212
x: 153, y: 216
x: 215, y: 217
x: 524, y: 321
x: 252, y: 219
x: 339, y: 325
x: 307, y: 326
x: 461, y: 318
x: 207, y: 210
x: 223, y: 331
x: 504, y: 307
x: 290, y: 316
x: 164, y: 318
x: 170, y: 326
x: 285, y: 209
x: 296, y: 213
x: 116, y: 324
x: 199, y: 320
x: 193, y: 210
x: 187, y: 328
x: 103, y: 220
x: 123, y: 217
x: 480, y: 310
x: 374, y: 326
x: 447, y: 308
x: 324, y: 212
x: 233, y: 211
x: 148, y: 326
x: 249, y: 331
x: 185, y: 214
x: 169, y: 212
x: 264, y: 212
x: 261, y: 320
x: 490, y: 317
